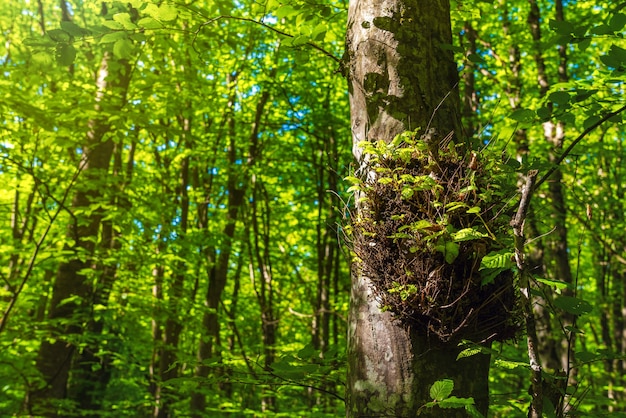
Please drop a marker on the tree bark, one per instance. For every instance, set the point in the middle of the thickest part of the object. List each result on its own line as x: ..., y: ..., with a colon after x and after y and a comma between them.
x: 168, y: 357
x: 71, y: 289
x: 92, y: 370
x: 554, y: 133
x: 401, y: 77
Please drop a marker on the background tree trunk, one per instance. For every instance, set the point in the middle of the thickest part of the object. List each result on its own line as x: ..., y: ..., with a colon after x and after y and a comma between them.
x: 72, y: 289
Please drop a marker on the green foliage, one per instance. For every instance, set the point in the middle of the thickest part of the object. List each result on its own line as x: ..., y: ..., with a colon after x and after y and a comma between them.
x: 195, y: 83
x: 441, y: 391
x: 198, y: 74
x: 431, y: 210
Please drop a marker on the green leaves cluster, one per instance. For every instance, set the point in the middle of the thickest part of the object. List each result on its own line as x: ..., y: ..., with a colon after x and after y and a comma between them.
x: 437, y: 232
x: 441, y: 393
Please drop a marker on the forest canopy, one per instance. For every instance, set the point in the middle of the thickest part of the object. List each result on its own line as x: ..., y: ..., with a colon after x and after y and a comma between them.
x: 177, y: 204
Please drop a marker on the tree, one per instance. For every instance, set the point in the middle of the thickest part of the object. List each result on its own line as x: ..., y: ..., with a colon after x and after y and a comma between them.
x: 72, y: 289
x: 195, y: 245
x: 402, y: 77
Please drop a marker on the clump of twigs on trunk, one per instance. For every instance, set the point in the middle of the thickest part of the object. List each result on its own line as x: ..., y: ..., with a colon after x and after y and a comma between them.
x: 431, y: 235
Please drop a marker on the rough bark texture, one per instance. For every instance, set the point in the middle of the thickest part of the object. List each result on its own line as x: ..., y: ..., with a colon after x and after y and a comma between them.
x: 401, y: 77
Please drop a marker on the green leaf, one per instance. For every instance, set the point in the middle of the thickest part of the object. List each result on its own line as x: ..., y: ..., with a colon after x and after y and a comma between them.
x: 400, y: 235
x: 584, y: 44
x: 559, y: 97
x: 617, y: 22
x: 590, y: 121
x: 419, y: 225
x: 615, y: 58
x: 286, y: 11
x: 468, y: 352
x: 65, y: 54
x: 454, y: 402
x: 59, y: 35
x: 467, y: 234
x: 407, y: 193
x: 583, y: 94
x: 319, y: 32
x: 561, y: 27
x: 441, y: 389
x: 73, y: 29
x: 449, y: 249
x: 112, y: 24
x: 573, y: 305
x: 502, y: 259
x: 112, y: 37
x: 601, y: 29
x: 353, y: 180
x: 149, y: 23
x: 298, y: 40
x: 43, y: 58
x: 586, y: 356
x: 523, y: 115
x: 473, y: 412
x: 38, y: 41
x: 474, y: 209
x: 455, y: 205
x: 123, y: 48
x: 476, y: 59
x: 164, y: 12
x: 508, y: 364
x: 544, y: 112
x: 557, y: 284
x: 124, y: 20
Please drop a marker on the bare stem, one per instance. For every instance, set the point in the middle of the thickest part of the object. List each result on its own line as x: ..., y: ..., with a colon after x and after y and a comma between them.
x: 517, y: 223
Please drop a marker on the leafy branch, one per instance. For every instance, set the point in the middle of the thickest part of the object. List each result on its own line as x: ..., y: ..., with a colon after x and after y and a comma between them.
x: 265, y: 25
x: 575, y: 142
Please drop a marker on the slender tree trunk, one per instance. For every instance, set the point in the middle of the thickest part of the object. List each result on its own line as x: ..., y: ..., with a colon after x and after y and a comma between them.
x: 546, y: 344
x: 400, y: 78
x: 168, y: 369
x: 554, y: 133
x: 72, y: 290
x: 325, y: 157
x: 92, y: 370
x: 263, y: 281
x: 470, y: 96
x: 238, y: 178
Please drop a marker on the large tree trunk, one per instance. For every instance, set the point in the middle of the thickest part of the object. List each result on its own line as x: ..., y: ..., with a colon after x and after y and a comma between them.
x: 401, y: 77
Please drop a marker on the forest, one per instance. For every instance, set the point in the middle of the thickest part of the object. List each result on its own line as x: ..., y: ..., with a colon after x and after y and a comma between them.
x: 299, y: 208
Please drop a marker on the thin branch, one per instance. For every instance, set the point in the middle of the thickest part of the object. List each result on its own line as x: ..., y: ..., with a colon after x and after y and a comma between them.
x: 265, y: 25
x: 575, y: 142
x: 31, y: 264
x: 517, y: 223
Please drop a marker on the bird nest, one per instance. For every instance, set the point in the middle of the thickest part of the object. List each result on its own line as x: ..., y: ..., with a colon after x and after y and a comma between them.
x: 431, y: 233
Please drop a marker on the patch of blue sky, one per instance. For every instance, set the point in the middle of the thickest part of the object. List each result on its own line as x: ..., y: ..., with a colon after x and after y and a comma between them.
x: 170, y: 144
x: 269, y: 19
